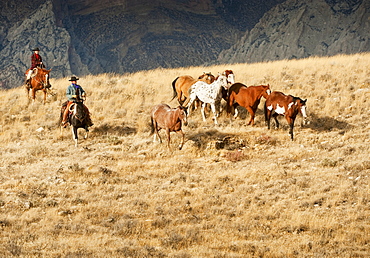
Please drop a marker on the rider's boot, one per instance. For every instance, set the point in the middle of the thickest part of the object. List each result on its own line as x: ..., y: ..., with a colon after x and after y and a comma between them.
x: 65, y: 119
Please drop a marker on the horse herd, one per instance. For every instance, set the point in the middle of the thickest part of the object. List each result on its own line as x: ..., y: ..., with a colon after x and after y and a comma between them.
x: 208, y: 89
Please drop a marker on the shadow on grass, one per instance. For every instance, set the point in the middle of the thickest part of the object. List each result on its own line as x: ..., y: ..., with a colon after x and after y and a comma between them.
x: 118, y: 130
x: 216, y: 139
x: 326, y: 123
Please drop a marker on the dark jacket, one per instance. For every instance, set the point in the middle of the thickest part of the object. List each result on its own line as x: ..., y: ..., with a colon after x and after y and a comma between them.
x: 35, y: 60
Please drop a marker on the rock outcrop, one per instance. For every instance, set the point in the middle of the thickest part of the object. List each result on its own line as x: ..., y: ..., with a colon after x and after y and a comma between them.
x: 38, y: 29
x: 90, y: 37
x: 299, y: 29
x: 80, y: 37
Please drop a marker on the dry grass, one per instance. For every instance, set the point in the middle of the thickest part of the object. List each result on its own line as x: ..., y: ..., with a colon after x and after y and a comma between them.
x: 233, y: 191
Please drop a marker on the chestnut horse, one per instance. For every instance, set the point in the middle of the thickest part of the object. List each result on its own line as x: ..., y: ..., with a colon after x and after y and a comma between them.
x: 182, y: 84
x: 247, y: 97
x: 171, y: 119
x: 286, y: 105
x: 39, y: 81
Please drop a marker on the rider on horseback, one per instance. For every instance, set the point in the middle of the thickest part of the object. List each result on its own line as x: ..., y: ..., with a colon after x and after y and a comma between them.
x: 71, y: 93
x: 36, y: 61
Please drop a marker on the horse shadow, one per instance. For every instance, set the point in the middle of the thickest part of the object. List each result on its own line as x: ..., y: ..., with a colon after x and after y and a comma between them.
x: 326, y: 123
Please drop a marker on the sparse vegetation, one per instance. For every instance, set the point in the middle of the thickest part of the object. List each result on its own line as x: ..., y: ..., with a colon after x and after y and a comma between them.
x: 233, y: 191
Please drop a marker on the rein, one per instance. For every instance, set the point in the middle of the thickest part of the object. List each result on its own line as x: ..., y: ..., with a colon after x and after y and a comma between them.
x: 74, y: 107
x: 43, y: 82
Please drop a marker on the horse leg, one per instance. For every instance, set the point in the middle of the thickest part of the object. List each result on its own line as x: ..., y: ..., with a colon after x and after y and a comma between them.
x: 156, y: 133
x: 75, y: 135
x: 251, y: 113
x: 28, y: 94
x: 277, y: 124
x: 86, y: 132
x: 168, y: 138
x: 44, y: 90
x: 214, y: 112
x: 189, y: 105
x: 291, y: 126
x: 267, y: 117
x: 202, y: 111
x: 33, y: 95
x: 182, y: 138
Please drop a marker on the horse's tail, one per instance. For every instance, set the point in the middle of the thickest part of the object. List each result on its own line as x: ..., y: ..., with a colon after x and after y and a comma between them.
x: 229, y: 101
x: 151, y: 126
x: 174, y: 88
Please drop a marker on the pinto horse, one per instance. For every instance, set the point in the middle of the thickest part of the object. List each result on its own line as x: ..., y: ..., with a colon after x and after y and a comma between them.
x: 182, y: 84
x: 208, y: 94
x: 286, y: 105
x: 171, y: 119
x: 39, y: 81
x: 78, y: 118
x: 247, y: 97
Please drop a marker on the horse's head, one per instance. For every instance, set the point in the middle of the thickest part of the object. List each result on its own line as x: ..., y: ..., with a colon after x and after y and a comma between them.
x: 230, y: 76
x: 301, y: 105
x: 222, y: 80
x: 183, y: 114
x: 266, y: 90
x: 42, y: 75
x: 207, y: 77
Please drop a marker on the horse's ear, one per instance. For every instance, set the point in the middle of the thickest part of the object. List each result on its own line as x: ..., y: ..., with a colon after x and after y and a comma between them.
x: 50, y: 69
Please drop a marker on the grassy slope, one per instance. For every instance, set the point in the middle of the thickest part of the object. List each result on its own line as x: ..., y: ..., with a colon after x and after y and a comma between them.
x: 119, y: 194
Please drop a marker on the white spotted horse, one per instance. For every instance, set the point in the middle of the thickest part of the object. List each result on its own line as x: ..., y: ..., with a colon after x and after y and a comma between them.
x: 170, y: 119
x: 207, y: 94
x: 182, y: 84
x: 285, y: 105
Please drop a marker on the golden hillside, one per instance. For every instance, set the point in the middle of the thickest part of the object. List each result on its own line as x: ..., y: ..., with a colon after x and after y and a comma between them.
x: 233, y: 191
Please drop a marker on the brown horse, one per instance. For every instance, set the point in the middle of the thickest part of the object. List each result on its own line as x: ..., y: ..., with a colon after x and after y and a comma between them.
x: 248, y: 97
x: 182, y: 84
x: 286, y: 105
x: 39, y: 81
x: 171, y: 119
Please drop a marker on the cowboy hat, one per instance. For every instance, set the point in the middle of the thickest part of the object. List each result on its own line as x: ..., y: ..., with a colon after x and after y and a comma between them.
x: 36, y: 49
x: 73, y: 78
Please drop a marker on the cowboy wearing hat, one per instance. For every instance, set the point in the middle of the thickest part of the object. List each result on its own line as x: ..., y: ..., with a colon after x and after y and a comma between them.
x: 36, y: 61
x: 71, y: 93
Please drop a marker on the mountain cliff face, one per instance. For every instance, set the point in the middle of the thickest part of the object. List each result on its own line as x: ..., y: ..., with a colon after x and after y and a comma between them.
x: 299, y: 29
x: 79, y: 37
x: 90, y: 37
x: 20, y: 36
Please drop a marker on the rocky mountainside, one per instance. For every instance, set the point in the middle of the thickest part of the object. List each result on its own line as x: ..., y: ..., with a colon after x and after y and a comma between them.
x: 299, y: 29
x: 90, y: 37
x: 79, y: 37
